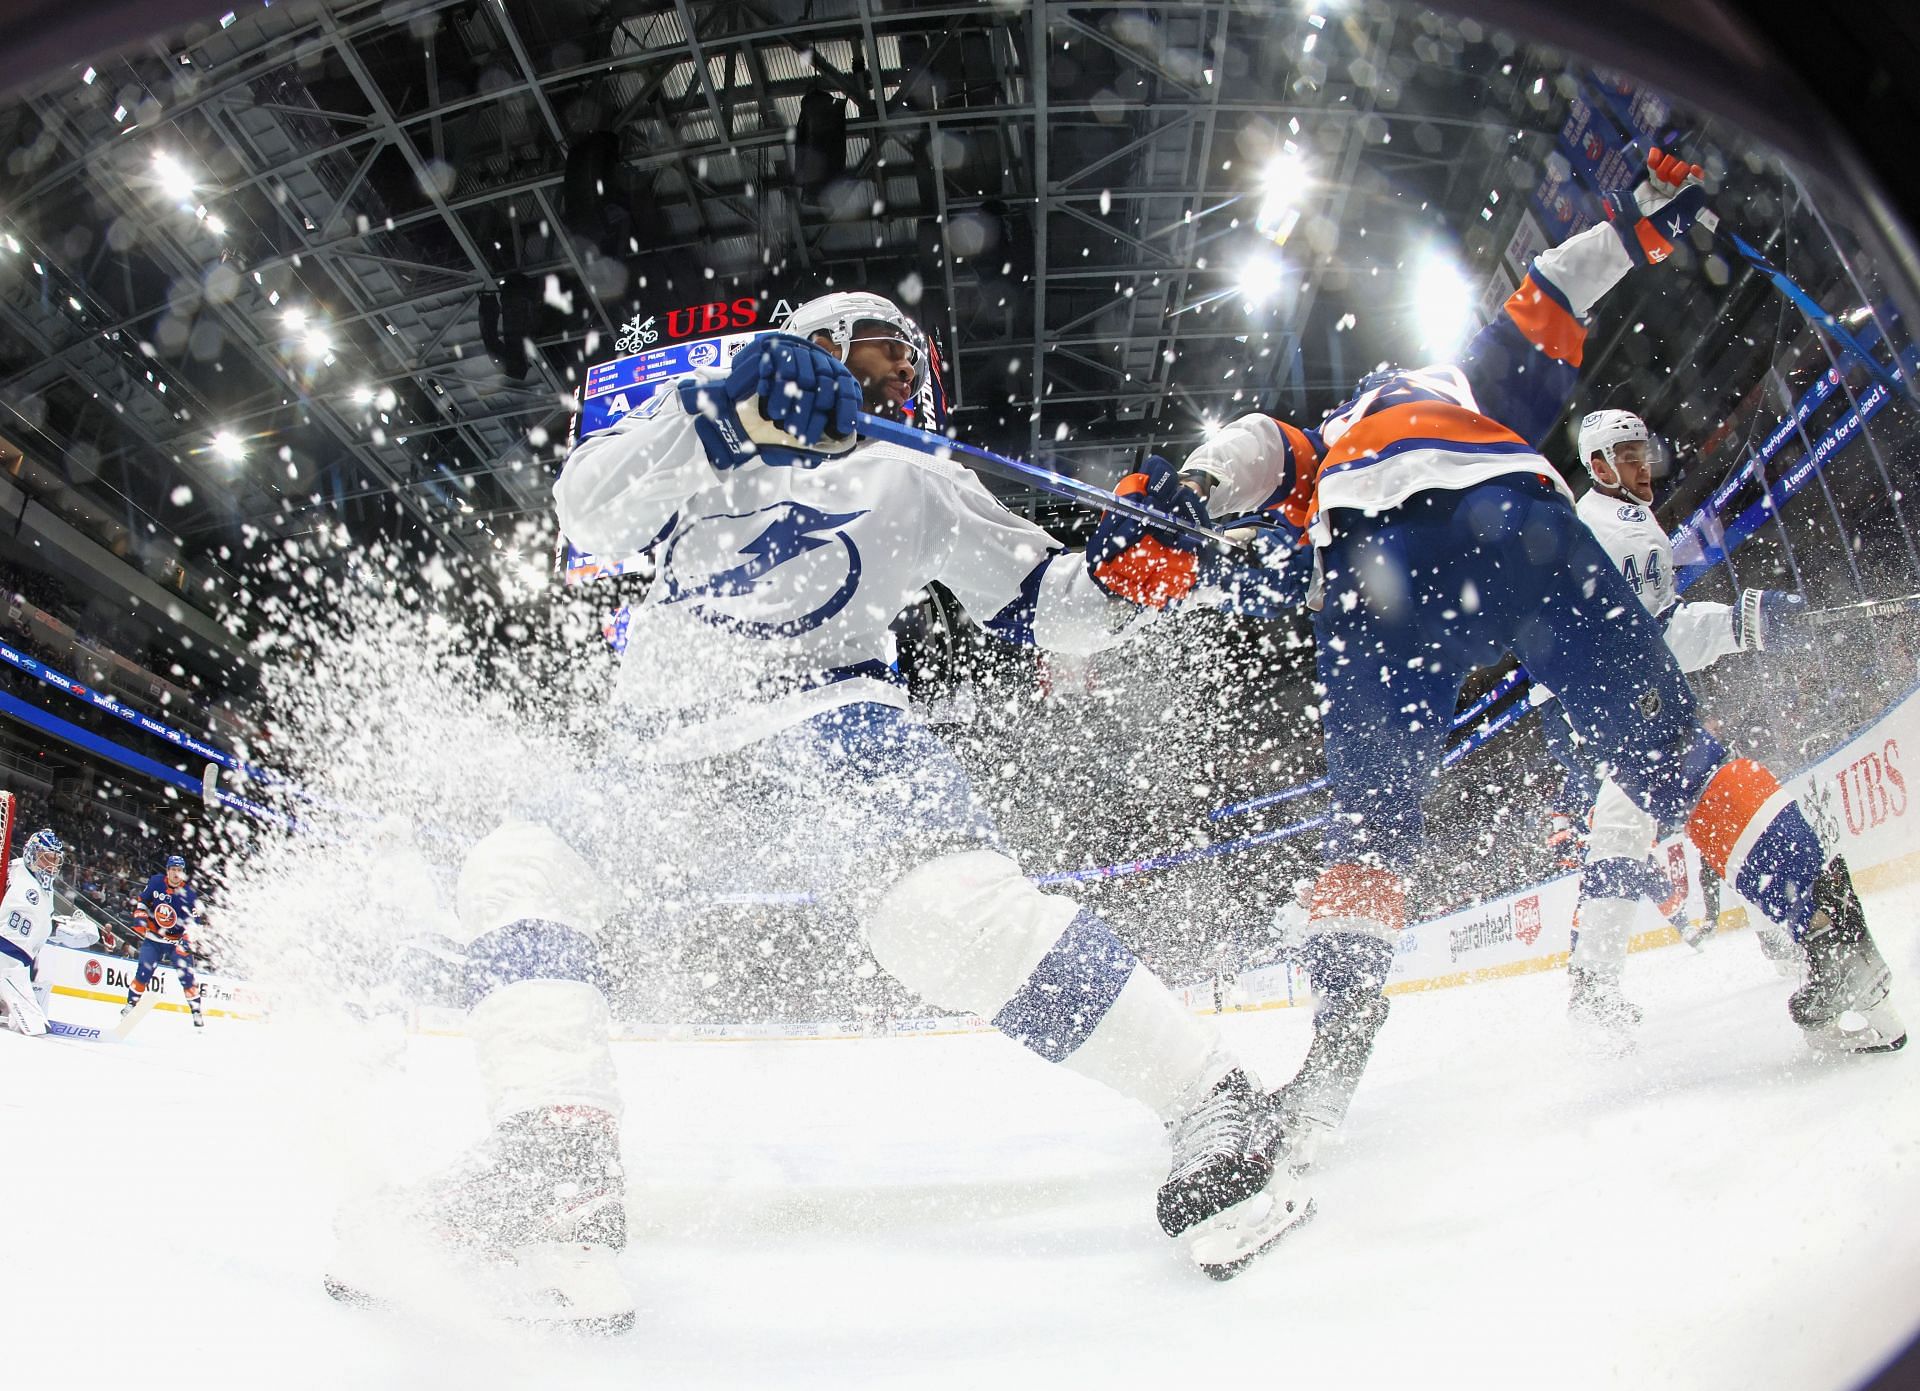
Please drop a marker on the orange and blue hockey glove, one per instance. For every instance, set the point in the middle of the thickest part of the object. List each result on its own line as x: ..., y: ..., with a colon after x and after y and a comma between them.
x: 1660, y: 209
x: 1138, y: 562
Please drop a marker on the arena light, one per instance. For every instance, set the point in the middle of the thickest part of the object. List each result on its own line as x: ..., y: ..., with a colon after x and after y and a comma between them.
x: 172, y: 175
x: 317, y: 342
x: 363, y: 396
x: 1443, y: 304
x: 1285, y: 185
x: 229, y: 447
x: 1260, y: 279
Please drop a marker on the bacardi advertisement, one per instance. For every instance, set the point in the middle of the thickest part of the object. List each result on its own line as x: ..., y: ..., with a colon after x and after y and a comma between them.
x: 76, y: 976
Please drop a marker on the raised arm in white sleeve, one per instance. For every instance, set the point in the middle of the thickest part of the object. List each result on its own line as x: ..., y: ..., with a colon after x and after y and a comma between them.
x: 1700, y: 634
x: 1247, y: 460
x: 621, y: 486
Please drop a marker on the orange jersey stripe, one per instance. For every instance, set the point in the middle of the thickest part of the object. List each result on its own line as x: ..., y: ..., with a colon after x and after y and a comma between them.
x: 1298, y: 505
x: 1733, y: 797
x: 1546, y: 323
x: 1433, y: 420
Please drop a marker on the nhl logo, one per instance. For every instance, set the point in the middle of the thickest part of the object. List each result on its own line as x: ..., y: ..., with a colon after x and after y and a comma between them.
x: 1817, y: 803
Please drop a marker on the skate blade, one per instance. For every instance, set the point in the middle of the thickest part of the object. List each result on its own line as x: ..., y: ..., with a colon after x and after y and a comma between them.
x: 606, y: 1325
x: 1598, y: 1040
x: 1230, y: 1241
x: 528, y: 1289
x: 1877, y: 1030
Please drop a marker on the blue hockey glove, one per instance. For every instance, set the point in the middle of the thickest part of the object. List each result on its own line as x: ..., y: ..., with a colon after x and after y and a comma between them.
x: 1267, y: 578
x: 802, y: 388
x: 1770, y: 618
x: 1658, y: 211
x: 1143, y: 564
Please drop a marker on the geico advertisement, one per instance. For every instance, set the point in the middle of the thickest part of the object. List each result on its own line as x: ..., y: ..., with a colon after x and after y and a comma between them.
x: 93, y: 974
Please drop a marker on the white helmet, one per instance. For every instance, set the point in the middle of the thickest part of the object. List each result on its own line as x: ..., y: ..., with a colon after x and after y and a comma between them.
x: 836, y: 314
x: 1600, y: 431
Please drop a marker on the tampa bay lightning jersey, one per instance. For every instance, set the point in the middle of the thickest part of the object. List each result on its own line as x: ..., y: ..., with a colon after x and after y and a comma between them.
x: 1636, y: 541
x: 1698, y: 634
x: 778, y: 572
x: 26, y: 916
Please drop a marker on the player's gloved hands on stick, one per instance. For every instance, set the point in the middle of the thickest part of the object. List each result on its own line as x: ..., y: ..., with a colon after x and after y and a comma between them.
x: 1660, y: 210
x: 1141, y: 563
x: 801, y: 387
x: 1771, y: 618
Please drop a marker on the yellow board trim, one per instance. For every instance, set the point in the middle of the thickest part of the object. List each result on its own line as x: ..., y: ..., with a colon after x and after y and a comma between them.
x: 75, y: 992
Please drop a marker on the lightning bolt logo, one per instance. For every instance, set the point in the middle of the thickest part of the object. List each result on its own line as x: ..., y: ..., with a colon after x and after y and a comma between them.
x: 794, y: 530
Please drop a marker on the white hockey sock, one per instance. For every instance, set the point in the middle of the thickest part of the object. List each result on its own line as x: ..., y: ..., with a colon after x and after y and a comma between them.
x: 544, y: 1043
x: 1605, y: 926
x: 967, y: 931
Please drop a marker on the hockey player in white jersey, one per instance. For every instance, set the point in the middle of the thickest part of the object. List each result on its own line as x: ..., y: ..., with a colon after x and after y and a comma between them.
x: 772, y: 748
x: 1615, y: 447
x: 26, y: 925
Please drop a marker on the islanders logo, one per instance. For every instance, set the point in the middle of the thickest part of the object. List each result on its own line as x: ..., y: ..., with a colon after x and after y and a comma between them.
x: 164, y: 917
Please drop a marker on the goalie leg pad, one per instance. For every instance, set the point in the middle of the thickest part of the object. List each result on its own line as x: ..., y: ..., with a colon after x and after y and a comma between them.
x: 967, y: 931
x: 22, y: 1011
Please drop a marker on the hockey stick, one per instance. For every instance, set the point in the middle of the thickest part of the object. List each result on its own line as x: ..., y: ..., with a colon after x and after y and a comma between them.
x: 131, y: 1019
x: 1868, y: 608
x: 1057, y: 485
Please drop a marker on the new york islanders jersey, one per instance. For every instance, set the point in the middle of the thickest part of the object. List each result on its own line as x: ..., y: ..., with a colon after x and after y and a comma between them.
x: 165, y: 913
x: 1451, y: 425
x: 778, y: 572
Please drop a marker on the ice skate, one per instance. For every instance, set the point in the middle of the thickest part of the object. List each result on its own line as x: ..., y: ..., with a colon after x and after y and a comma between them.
x: 1695, y: 932
x: 1789, y: 962
x: 527, y: 1226
x: 1842, y: 1006
x: 1603, y: 1019
x: 1229, y: 1193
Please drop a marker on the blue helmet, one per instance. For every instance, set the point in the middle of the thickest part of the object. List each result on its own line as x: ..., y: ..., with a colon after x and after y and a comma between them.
x: 34, y: 853
x: 174, y: 862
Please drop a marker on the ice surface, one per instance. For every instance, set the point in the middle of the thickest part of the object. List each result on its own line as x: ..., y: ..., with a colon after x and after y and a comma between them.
x: 1718, y: 1209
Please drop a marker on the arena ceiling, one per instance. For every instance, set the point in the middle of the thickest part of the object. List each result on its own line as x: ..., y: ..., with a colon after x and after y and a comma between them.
x: 333, y: 271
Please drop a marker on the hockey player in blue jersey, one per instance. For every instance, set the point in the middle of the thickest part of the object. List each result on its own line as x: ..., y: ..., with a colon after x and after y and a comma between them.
x: 772, y: 748
x: 165, y: 912
x: 1445, y: 543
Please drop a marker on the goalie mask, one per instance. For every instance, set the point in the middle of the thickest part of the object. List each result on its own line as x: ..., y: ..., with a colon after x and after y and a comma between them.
x: 1601, y: 432
x: 839, y: 315
x: 43, y: 854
